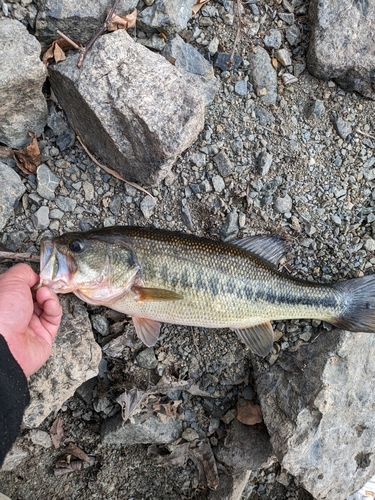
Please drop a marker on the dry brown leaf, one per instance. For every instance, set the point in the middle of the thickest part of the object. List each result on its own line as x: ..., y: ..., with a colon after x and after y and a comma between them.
x: 166, y: 410
x: 171, y: 59
x: 57, y: 432
x: 73, y: 449
x: 131, y: 402
x: 28, y: 158
x: 200, y: 452
x: 66, y: 465
x: 122, y: 22
x: 106, y: 201
x: 56, y: 51
x: 249, y: 413
x: 197, y: 7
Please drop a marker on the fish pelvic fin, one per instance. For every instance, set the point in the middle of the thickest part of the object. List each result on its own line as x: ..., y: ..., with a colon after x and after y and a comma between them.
x: 358, y: 312
x: 258, y: 338
x: 147, y: 330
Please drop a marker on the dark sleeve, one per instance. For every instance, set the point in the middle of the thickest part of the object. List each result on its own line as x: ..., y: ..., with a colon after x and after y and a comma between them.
x: 14, y: 397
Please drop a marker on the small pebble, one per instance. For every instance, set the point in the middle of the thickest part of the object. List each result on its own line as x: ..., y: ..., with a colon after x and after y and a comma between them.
x: 190, y: 434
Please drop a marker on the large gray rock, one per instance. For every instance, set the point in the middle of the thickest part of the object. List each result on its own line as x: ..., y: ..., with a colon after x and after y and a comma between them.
x: 77, y: 19
x: 342, y: 46
x: 166, y: 16
x: 187, y: 58
x: 22, y: 105
x: 131, y: 107
x: 318, y: 405
x: 9, y: 195
x: 75, y: 358
x: 141, y: 430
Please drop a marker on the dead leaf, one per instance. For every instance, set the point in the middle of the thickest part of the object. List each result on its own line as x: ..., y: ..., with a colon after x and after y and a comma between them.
x: 165, y: 411
x: 177, y: 456
x: 197, y: 7
x: 56, y: 51
x: 131, y: 402
x: 74, y: 450
x: 204, y: 460
x: 57, y: 432
x: 171, y: 59
x: 134, y: 401
x: 106, y: 201
x: 122, y: 22
x: 200, y: 452
x: 66, y: 465
x: 28, y: 158
x: 249, y: 413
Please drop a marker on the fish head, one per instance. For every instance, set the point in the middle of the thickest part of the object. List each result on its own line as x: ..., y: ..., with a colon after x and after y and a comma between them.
x: 95, y: 269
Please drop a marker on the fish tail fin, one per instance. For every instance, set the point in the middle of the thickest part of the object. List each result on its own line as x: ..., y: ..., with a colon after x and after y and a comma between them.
x: 358, y: 314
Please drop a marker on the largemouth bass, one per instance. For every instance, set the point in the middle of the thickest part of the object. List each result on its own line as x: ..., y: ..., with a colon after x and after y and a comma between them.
x: 160, y: 276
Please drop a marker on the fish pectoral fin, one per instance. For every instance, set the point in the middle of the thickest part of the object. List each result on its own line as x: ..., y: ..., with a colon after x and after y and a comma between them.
x: 157, y: 294
x: 147, y: 330
x: 258, y: 338
x: 272, y: 248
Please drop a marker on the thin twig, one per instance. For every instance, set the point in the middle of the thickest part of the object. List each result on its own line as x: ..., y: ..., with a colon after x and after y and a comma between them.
x: 14, y: 256
x: 196, y: 345
x: 97, y: 34
x: 113, y: 172
x: 239, y: 28
x: 365, y: 133
x: 69, y: 40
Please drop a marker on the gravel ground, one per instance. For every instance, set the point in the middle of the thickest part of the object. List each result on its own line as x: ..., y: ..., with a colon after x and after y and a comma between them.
x: 285, y: 170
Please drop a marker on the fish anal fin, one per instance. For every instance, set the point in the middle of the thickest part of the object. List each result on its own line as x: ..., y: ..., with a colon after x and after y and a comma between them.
x: 147, y: 330
x: 157, y: 294
x: 258, y: 338
x: 271, y: 248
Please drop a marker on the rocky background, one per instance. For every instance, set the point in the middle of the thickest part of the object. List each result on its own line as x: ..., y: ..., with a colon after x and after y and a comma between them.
x: 279, y: 141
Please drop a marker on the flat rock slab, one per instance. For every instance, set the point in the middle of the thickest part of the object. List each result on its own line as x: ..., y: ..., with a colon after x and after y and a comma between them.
x: 23, y: 107
x: 342, y: 45
x: 141, y: 430
x: 75, y: 358
x: 166, y: 16
x: 78, y: 19
x: 319, y: 407
x: 246, y: 447
x: 131, y: 107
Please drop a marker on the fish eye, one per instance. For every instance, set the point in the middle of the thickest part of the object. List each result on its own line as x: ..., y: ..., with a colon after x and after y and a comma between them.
x: 76, y: 246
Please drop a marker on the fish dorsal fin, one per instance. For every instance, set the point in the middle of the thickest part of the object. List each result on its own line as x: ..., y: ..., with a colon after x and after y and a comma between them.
x: 157, y: 294
x: 147, y: 330
x: 258, y: 338
x: 271, y: 248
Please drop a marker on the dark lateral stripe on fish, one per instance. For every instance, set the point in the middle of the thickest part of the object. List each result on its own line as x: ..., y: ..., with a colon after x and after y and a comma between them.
x: 247, y: 292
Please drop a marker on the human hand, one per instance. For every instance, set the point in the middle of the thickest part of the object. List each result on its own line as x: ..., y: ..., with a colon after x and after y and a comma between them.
x: 28, y: 320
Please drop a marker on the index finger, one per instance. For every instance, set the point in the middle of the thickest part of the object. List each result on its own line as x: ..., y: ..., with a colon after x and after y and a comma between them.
x: 21, y: 272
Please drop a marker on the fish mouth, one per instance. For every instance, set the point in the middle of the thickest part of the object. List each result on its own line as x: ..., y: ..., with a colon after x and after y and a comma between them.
x: 56, y: 269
